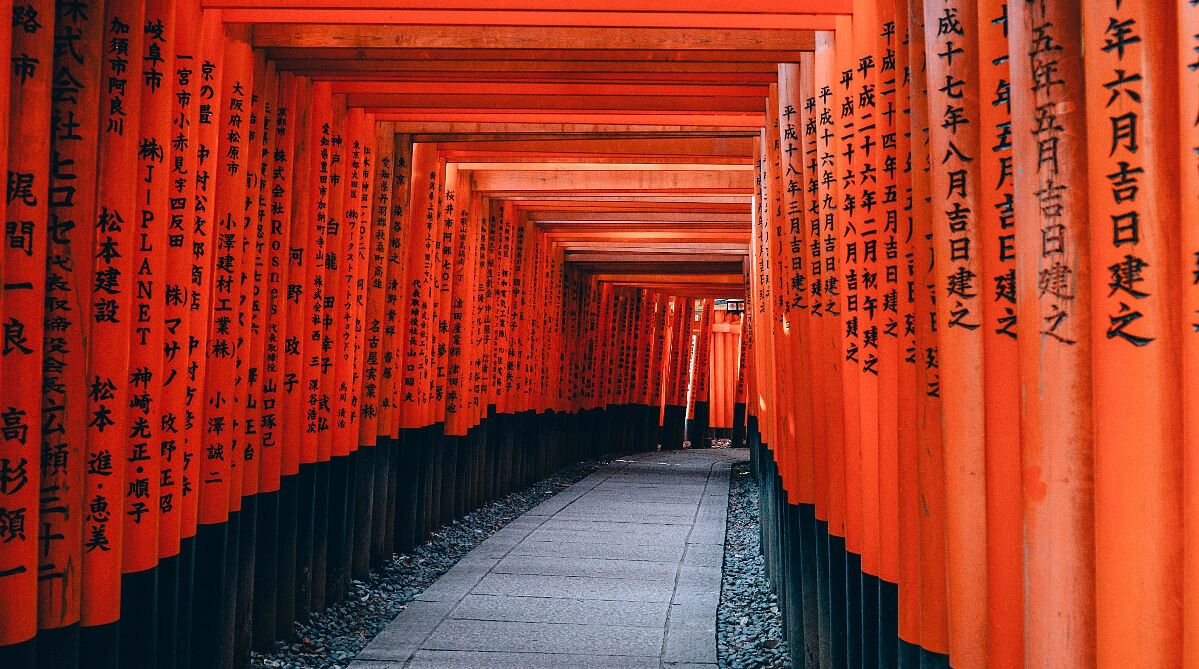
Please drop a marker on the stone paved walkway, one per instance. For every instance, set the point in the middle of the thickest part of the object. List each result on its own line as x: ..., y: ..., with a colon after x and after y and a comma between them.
x: 619, y: 571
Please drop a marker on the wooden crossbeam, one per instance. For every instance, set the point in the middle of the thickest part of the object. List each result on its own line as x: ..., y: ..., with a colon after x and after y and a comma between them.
x: 568, y: 38
x: 647, y: 52
x: 766, y: 7
x: 564, y: 90
x: 442, y: 17
x: 579, y: 103
x: 607, y: 147
x: 591, y: 182
x: 525, y: 70
x: 539, y: 118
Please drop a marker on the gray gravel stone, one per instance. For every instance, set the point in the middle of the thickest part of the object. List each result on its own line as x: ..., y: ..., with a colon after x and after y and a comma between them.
x: 749, y: 629
x: 331, y: 639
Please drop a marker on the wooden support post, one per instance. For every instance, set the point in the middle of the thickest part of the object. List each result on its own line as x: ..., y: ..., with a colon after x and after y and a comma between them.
x: 1053, y: 311
x: 1131, y: 85
x: 954, y: 148
x: 934, y: 624
x: 23, y: 268
x: 1188, y: 85
x: 69, y: 280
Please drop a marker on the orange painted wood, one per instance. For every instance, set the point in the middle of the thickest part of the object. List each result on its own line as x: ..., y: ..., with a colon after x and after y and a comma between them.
x: 183, y: 81
x: 366, y: 194
x: 458, y: 352
x: 421, y: 118
x: 293, y: 331
x: 1001, y: 386
x: 645, y: 52
x: 69, y: 283
x: 934, y: 623
x: 209, y: 57
x: 869, y: 226
x: 279, y: 441
x: 373, y: 406
x: 765, y: 6
x: 702, y: 373
x: 395, y: 301
x: 831, y: 357
x: 145, y: 500
x: 446, y: 240
x: 743, y: 369
x: 783, y: 393
x: 337, y: 268
x: 440, y: 17
x: 317, y: 216
x: 501, y: 324
x: 252, y: 347
x: 359, y: 36
x: 888, y: 167
x: 111, y: 304
x: 1134, y: 284
x: 849, y: 284
x: 908, y: 389
x: 420, y: 217
x: 484, y: 308
x: 239, y: 161
x: 272, y: 249
x: 726, y: 345
x: 772, y: 414
x: 619, y: 91
x: 218, y: 448
x: 1188, y: 27
x: 756, y: 289
x: 1054, y: 314
x: 23, y: 266
x: 954, y: 148
x: 346, y: 312
x: 811, y: 288
x: 366, y: 151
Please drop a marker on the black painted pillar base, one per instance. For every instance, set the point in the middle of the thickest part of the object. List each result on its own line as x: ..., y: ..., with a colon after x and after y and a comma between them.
x: 853, y: 611
x: 56, y: 648
x: 266, y: 571
x: 808, y: 548
x: 99, y: 648
x: 739, y: 426
x: 673, y: 427
x: 449, y: 448
x: 824, y: 603
x: 139, y: 619
x: 228, y: 629
x: 888, y: 625
x: 364, y: 506
x: 168, y: 611
x: 247, y: 556
x: 320, y: 537
x: 187, y: 589
x: 837, y: 592
x: 870, y: 591
x: 208, y: 594
x: 22, y: 654
x: 305, y: 541
x: 931, y: 660
x: 285, y: 575
x: 909, y: 655
x: 698, y: 432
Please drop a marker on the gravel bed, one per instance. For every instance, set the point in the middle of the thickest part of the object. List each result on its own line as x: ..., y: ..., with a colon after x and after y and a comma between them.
x: 331, y: 639
x: 749, y: 628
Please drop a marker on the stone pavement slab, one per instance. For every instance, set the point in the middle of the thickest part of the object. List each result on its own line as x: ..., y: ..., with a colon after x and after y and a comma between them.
x: 619, y: 571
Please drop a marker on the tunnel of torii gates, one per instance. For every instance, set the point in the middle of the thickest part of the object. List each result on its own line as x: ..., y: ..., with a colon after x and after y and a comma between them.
x: 288, y: 286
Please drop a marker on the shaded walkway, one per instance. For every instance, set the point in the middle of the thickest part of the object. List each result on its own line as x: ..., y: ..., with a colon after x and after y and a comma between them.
x: 622, y: 570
